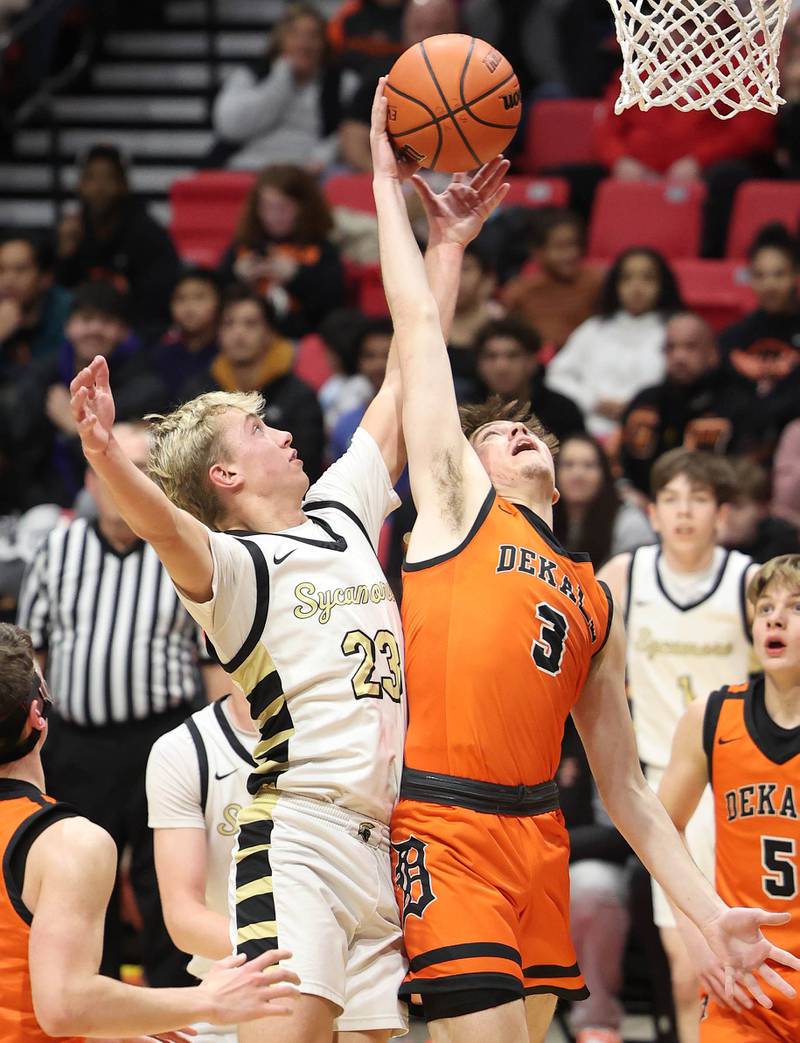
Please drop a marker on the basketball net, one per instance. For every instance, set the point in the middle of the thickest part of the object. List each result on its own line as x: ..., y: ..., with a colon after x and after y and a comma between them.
x: 720, y: 55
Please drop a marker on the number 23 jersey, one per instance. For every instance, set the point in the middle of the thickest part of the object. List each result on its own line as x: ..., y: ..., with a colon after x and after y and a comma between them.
x: 306, y: 624
x: 500, y: 634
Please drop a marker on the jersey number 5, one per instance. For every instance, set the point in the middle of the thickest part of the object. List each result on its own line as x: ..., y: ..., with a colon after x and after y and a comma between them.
x: 547, y: 650
x: 364, y: 681
x: 777, y: 857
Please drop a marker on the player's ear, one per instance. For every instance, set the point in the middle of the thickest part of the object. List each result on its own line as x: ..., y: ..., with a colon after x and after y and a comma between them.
x: 556, y: 496
x: 223, y: 476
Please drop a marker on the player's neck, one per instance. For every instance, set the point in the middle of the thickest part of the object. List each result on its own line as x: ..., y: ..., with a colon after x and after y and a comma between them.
x: 541, y: 507
x: 782, y: 698
x: 239, y: 709
x: 255, y: 514
x: 690, y: 559
x: 26, y: 769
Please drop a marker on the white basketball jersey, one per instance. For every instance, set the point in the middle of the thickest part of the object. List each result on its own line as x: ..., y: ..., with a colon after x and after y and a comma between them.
x: 308, y: 627
x: 680, y: 653
x: 197, y: 777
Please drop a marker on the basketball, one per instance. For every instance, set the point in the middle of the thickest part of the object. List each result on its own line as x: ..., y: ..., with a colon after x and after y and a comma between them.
x: 453, y: 103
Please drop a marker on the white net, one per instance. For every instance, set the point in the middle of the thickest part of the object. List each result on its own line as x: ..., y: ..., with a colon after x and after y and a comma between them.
x: 700, y: 54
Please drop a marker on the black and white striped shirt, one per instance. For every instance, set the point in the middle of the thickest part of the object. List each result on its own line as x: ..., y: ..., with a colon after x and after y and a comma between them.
x: 120, y: 646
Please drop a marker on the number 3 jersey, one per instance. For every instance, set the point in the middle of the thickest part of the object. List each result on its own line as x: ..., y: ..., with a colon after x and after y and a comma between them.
x: 500, y: 634
x: 754, y: 768
x: 306, y: 624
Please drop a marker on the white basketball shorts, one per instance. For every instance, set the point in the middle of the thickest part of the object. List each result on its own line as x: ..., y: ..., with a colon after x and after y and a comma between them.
x: 315, y: 878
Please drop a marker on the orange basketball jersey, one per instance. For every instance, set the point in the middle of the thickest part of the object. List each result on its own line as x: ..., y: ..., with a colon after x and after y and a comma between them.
x: 500, y: 635
x: 754, y: 767
x: 24, y: 813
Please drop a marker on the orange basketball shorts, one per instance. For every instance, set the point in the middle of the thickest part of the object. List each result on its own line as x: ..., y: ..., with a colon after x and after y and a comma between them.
x: 779, y: 1024
x: 484, y: 900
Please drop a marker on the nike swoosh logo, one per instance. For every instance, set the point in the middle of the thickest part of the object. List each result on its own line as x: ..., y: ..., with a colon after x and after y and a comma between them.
x: 724, y: 742
x: 277, y: 561
x: 219, y: 777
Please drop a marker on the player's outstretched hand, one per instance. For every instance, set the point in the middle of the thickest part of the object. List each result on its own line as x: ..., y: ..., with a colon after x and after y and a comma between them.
x: 242, y: 991
x: 92, y: 405
x: 736, y: 939
x: 710, y: 969
x: 458, y: 214
x: 385, y: 161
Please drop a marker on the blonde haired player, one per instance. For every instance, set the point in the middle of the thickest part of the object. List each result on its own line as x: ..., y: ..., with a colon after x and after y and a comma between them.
x: 506, y: 633
x: 746, y: 739
x: 294, y: 601
x: 687, y: 634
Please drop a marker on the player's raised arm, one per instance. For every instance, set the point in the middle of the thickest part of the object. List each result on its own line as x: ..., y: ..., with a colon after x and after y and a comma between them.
x: 438, y: 452
x: 604, y: 723
x: 180, y: 540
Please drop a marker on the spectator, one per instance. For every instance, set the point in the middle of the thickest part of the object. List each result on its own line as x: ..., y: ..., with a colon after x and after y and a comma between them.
x: 562, y: 291
x: 363, y: 31
x: 786, y: 476
x: 372, y: 351
x: 599, y: 885
x: 47, y: 456
x: 685, y: 146
x: 254, y: 357
x: 190, y: 346
x: 114, y: 238
x: 33, y: 309
x: 282, y: 252
x: 764, y: 347
x: 288, y: 110
x: 590, y: 515
x: 122, y: 658
x: 328, y: 362
x: 474, y: 308
x: 507, y: 361
x: 612, y: 356
x: 421, y: 18
x: 698, y: 404
x: 748, y: 525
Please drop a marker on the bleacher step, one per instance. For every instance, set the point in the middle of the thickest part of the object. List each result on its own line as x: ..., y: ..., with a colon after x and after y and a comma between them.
x: 107, y: 108
x: 237, y: 12
x: 184, y: 44
x: 187, y: 145
x: 32, y: 178
x: 161, y: 76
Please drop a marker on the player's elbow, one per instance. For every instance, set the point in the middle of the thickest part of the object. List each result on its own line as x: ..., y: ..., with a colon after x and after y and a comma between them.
x: 58, y: 1011
x: 178, y: 928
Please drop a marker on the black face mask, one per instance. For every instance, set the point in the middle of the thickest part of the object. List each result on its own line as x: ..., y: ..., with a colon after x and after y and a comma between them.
x: 11, y: 726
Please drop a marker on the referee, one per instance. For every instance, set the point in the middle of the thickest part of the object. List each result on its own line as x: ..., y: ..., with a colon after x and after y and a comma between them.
x: 122, y: 658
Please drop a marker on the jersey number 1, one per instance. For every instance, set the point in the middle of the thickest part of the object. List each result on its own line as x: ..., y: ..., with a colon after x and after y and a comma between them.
x: 547, y: 650
x: 365, y: 684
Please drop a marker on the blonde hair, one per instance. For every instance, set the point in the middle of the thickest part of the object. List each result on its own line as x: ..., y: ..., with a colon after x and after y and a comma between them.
x: 782, y: 571
x: 186, y: 442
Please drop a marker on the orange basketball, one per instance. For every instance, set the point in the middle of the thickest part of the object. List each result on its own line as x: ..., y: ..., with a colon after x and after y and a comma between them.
x: 454, y: 103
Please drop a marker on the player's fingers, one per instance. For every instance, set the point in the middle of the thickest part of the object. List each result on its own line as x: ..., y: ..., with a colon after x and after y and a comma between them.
x: 99, y: 370
x: 771, y: 977
x: 715, y: 987
x: 81, y: 379
x: 78, y: 401
x: 788, y: 959
x: 495, y: 174
x: 494, y: 201
x: 424, y: 191
x: 730, y: 982
x: 379, y: 108
x: 754, y: 988
x: 282, y: 992
x: 770, y: 919
x: 486, y: 172
x: 268, y: 959
x: 280, y: 976
x: 236, y: 959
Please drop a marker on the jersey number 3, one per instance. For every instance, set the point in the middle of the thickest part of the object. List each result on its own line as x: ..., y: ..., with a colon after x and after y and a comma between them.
x: 777, y: 857
x: 366, y: 685
x: 547, y: 649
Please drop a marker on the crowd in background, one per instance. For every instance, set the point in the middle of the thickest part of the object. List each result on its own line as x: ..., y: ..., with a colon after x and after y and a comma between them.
x: 609, y: 356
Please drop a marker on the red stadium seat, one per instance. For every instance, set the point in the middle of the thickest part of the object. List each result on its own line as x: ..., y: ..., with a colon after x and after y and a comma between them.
x: 717, y: 290
x: 660, y: 214
x: 537, y: 191
x: 759, y: 203
x: 353, y: 191
x: 559, y: 132
x: 371, y: 299
x: 205, y: 210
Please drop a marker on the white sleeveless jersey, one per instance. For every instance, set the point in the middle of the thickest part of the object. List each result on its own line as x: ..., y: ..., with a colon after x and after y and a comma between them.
x: 678, y: 654
x: 307, y: 626
x: 197, y: 778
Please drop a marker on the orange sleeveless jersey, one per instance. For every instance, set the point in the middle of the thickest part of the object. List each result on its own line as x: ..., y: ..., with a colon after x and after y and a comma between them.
x: 756, y: 784
x: 500, y: 635
x: 24, y: 813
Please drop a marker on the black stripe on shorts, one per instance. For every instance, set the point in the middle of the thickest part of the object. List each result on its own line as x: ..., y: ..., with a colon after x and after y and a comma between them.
x: 464, y: 951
